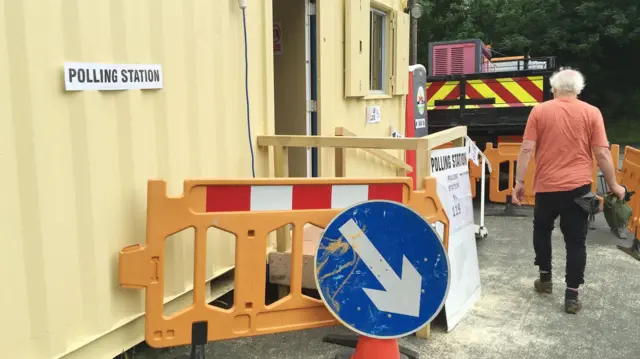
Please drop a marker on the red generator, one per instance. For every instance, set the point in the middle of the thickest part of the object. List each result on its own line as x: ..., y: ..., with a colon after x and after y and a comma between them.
x: 458, y: 57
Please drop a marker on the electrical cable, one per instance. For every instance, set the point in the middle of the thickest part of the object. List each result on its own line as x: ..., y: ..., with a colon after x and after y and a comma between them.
x: 246, y: 87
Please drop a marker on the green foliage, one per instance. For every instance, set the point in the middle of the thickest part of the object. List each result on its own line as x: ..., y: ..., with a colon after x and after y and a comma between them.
x: 601, y: 38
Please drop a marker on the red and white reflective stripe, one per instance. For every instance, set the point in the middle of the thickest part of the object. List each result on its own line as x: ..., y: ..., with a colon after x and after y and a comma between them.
x: 233, y: 198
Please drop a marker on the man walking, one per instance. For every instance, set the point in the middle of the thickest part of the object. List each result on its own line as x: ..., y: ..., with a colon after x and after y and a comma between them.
x: 562, y: 133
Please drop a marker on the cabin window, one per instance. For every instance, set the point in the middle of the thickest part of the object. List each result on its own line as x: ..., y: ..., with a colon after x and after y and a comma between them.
x: 376, y: 54
x: 377, y: 50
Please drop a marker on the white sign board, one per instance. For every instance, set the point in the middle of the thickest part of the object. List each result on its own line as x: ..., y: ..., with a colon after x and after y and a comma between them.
x: 277, y: 38
x: 80, y: 76
x: 395, y: 133
x: 421, y: 100
x: 473, y: 151
x: 373, y: 114
x: 450, y: 167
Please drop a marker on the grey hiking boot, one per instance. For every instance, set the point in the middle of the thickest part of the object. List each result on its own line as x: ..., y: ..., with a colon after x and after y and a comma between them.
x: 543, y: 287
x: 572, y: 306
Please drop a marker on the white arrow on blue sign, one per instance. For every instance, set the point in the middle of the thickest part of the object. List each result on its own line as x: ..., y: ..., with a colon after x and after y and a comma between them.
x: 382, y: 270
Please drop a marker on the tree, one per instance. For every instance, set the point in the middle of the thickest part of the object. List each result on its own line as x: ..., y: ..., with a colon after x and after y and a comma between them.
x: 599, y: 37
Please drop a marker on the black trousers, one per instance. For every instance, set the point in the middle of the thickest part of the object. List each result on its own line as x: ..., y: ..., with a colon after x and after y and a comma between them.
x: 574, y: 224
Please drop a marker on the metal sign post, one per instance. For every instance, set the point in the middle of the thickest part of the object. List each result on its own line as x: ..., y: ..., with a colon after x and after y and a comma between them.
x: 383, y: 272
x: 416, y: 121
x: 198, y: 341
x: 474, y: 153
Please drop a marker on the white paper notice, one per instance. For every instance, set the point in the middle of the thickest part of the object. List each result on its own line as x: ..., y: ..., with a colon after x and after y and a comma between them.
x: 373, y: 114
x: 473, y: 151
x: 450, y: 167
x: 395, y: 133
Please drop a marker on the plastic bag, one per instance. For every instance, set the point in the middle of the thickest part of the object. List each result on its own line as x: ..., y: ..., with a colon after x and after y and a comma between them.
x: 617, y: 212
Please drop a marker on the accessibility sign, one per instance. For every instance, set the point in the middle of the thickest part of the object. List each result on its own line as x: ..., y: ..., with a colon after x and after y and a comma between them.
x: 382, y: 270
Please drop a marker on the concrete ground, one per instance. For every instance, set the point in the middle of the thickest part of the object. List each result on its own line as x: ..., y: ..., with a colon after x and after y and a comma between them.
x: 510, y: 320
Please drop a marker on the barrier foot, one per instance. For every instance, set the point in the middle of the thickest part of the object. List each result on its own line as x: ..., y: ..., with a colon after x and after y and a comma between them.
x: 198, y: 341
x: 509, y: 211
x: 634, y: 250
x: 481, y: 232
x: 369, y: 348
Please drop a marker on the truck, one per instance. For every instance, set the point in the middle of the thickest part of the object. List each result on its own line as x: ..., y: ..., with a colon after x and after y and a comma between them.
x: 467, y: 86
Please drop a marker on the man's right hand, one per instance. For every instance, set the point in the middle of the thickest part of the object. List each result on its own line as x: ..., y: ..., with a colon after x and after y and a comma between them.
x: 619, y: 191
x: 518, y: 193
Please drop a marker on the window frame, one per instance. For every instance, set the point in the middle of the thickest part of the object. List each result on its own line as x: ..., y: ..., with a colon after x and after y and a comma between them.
x: 384, y: 83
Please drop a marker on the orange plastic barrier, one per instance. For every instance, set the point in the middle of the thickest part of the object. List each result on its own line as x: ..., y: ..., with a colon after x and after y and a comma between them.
x: 508, y: 152
x: 444, y: 145
x: 510, y: 139
x: 250, y: 209
x: 630, y: 177
x: 475, y: 175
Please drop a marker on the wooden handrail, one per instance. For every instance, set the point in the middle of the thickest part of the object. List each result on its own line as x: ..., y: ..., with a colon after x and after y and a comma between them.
x: 387, y: 143
x: 401, y: 167
x: 421, y: 145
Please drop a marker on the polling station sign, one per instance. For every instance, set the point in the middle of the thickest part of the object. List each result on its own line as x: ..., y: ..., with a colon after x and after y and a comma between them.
x: 450, y: 167
x: 82, y: 76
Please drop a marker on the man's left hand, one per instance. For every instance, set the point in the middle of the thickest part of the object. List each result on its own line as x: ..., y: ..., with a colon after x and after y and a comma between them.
x: 518, y: 193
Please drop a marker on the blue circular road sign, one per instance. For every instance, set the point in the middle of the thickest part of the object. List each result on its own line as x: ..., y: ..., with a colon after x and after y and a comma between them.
x: 382, y: 270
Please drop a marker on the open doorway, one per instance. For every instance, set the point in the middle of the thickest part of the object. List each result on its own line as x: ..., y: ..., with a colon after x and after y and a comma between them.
x: 294, y: 63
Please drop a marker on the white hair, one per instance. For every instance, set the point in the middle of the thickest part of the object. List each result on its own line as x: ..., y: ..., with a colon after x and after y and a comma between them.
x: 567, y: 81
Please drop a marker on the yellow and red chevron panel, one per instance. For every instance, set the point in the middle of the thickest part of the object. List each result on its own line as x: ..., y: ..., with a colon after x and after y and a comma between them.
x: 505, y: 91
x: 442, y: 90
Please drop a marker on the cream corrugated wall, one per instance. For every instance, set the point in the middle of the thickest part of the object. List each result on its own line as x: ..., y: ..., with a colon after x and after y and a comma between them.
x: 74, y: 166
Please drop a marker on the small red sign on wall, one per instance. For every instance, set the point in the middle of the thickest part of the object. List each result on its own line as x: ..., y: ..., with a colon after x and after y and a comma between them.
x: 277, y: 39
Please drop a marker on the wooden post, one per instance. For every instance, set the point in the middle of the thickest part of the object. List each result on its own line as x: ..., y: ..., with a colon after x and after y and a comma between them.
x: 283, y: 234
x: 341, y: 162
x: 340, y: 156
x: 281, y: 159
x: 423, y: 168
x: 423, y: 162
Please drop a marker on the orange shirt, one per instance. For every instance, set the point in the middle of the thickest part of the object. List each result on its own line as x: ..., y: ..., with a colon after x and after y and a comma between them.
x: 564, y: 130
